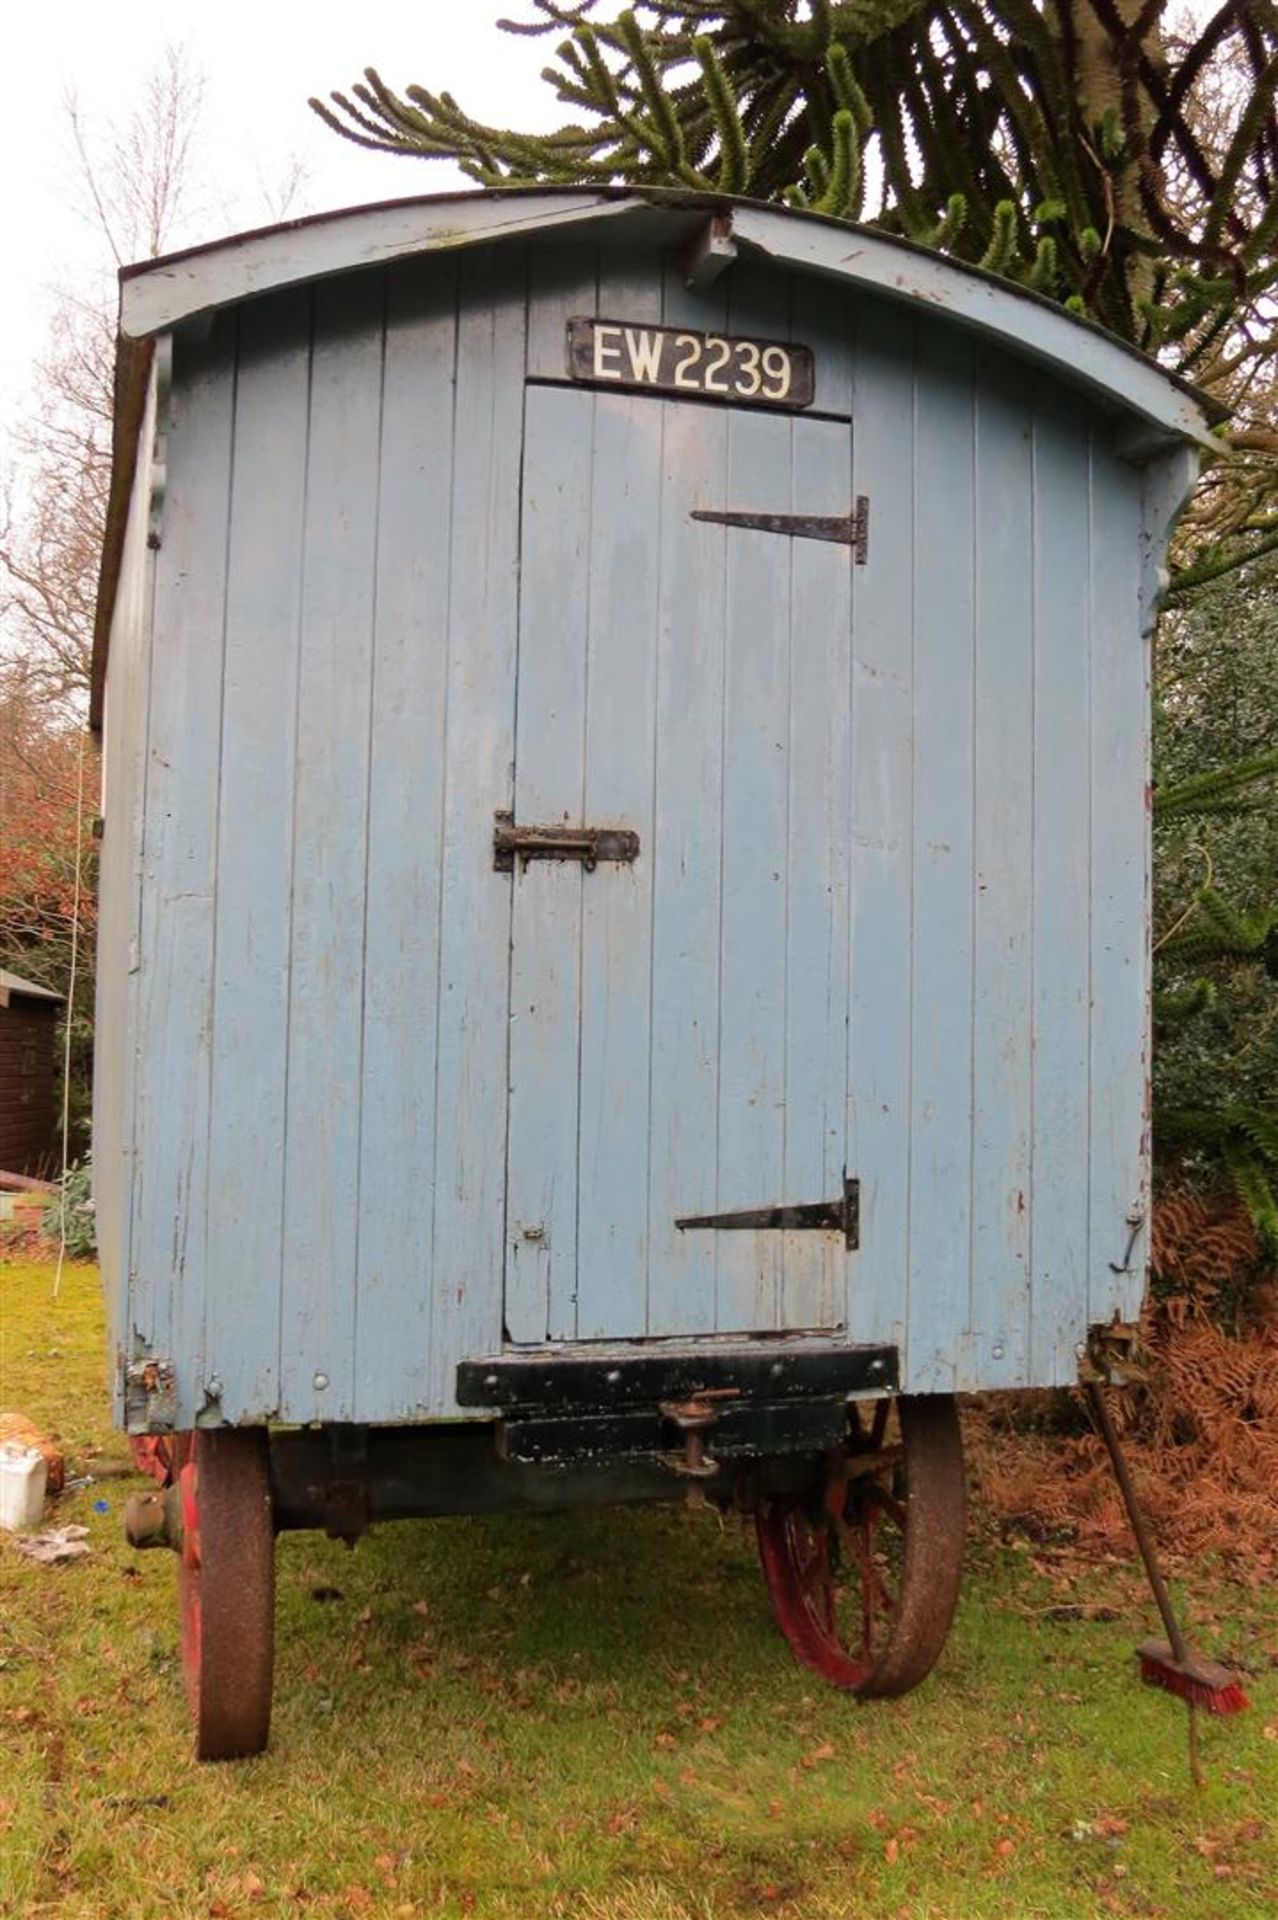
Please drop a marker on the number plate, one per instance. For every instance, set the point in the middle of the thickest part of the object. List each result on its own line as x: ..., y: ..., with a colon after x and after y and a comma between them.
x: 764, y: 373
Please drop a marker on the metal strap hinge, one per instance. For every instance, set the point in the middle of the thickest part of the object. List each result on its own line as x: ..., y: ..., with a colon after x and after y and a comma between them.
x: 846, y: 529
x: 820, y: 1216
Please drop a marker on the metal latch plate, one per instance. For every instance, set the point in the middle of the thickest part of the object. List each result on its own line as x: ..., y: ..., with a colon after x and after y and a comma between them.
x: 589, y: 845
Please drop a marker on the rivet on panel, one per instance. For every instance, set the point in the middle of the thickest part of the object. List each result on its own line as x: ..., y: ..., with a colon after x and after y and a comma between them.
x: 320, y: 1382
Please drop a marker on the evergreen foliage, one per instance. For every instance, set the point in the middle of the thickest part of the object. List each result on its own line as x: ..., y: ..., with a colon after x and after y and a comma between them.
x: 1062, y: 143
x: 1216, y: 905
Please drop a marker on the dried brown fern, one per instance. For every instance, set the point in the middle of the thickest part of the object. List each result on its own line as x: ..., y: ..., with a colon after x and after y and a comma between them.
x: 1200, y: 1424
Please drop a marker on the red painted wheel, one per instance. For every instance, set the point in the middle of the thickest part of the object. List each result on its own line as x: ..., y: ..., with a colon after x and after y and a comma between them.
x: 226, y: 1589
x: 864, y: 1573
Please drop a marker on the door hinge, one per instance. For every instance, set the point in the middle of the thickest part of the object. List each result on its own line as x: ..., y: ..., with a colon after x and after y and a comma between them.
x: 820, y: 1216
x: 846, y: 529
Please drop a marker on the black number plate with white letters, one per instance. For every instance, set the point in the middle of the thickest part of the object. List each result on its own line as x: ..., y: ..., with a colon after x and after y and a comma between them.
x: 767, y: 373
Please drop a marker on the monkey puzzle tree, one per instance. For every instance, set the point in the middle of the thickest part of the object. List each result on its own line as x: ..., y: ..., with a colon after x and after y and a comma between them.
x: 1122, y: 165
x: 1079, y: 145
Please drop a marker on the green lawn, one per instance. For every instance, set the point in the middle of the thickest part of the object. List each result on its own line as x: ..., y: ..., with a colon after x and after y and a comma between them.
x: 593, y: 1716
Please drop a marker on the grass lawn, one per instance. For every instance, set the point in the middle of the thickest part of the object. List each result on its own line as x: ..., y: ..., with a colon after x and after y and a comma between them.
x: 594, y: 1716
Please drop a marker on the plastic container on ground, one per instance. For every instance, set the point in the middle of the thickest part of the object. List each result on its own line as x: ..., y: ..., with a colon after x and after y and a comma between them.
x: 23, y: 1472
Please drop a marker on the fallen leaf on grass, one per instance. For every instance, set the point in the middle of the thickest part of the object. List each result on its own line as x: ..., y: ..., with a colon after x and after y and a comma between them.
x: 892, y: 1851
x: 817, y: 1755
x: 1110, y: 1823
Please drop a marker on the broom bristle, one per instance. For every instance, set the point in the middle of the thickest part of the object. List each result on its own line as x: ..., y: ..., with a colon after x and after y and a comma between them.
x: 1205, y: 1683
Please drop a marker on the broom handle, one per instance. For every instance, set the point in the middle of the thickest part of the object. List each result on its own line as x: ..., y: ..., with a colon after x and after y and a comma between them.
x: 1104, y: 1421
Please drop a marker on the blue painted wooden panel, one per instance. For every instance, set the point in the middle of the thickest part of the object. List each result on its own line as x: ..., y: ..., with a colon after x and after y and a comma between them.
x: 1003, y: 857
x: 890, y: 908
x: 627, y: 510
x: 687, y: 852
x: 1120, y: 772
x: 244, y: 1243
x: 941, y: 1091
x: 470, y: 1096
x: 754, y: 822
x: 818, y: 835
x: 545, y: 974
x: 1062, y: 851
x: 330, y: 848
x: 178, y: 862
x: 880, y: 1032
x: 118, y: 948
x: 407, y: 774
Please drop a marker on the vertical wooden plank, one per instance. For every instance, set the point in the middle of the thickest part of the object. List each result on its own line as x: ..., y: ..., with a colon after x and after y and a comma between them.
x: 330, y: 838
x: 124, y: 746
x: 616, y: 931
x: 1119, y: 697
x: 824, y: 317
x: 756, y: 797
x: 405, y: 823
x: 255, y: 834
x: 881, y: 884
x: 1002, y: 1051
x: 475, y: 902
x: 686, y: 859
x: 941, y: 1076
x: 815, y: 1265
x: 1062, y: 932
x: 179, y: 859
x: 546, y: 974
x: 563, y: 282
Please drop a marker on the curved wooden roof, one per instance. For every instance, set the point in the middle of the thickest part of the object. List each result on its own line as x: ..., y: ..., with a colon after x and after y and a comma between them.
x: 160, y: 294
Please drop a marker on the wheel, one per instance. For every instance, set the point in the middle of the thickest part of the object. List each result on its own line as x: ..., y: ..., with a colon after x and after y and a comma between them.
x: 226, y: 1589
x: 864, y: 1573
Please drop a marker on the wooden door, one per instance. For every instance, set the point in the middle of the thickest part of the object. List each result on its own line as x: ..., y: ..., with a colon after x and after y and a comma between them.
x: 678, y: 1034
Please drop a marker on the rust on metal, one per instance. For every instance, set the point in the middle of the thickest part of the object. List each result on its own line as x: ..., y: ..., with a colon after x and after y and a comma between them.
x: 589, y: 845
x: 694, y: 1418
x: 844, y: 529
x: 819, y: 1216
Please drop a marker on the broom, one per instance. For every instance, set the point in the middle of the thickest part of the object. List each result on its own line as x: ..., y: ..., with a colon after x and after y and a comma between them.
x: 1168, y: 1664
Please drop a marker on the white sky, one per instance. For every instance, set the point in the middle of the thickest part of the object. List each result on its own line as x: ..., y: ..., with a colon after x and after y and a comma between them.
x: 261, y: 59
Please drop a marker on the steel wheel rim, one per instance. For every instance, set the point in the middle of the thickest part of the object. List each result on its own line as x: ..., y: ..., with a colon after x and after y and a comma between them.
x: 226, y: 1590
x: 864, y: 1571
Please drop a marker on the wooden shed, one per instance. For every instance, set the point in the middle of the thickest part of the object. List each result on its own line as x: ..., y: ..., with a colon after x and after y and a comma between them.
x: 28, y: 1027
x: 626, y: 816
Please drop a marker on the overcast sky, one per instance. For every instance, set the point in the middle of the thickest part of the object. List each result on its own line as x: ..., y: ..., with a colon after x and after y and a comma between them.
x: 261, y: 59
